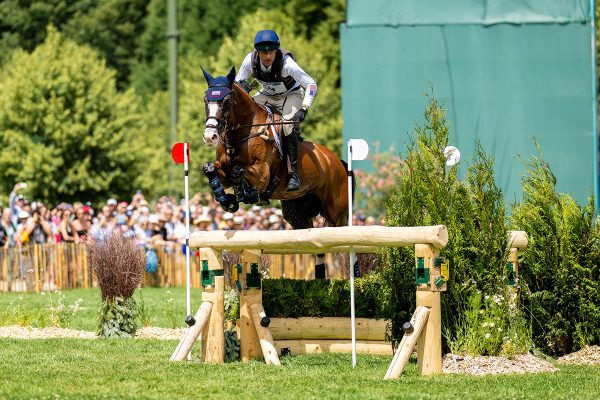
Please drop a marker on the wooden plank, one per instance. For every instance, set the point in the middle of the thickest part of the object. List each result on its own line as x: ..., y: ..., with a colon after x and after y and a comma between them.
x: 407, y: 344
x: 309, y: 346
x: 321, y: 240
x: 327, y: 328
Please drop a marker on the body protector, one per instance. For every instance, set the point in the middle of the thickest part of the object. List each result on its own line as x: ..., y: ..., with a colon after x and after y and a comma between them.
x: 273, y: 76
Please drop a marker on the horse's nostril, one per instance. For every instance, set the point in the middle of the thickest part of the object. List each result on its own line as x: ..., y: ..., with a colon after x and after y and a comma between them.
x: 214, y: 137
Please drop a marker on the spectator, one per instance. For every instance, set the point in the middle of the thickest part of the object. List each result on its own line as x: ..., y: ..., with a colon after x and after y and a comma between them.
x: 16, y: 201
x: 81, y: 223
x: 21, y: 235
x: 112, y: 205
x: 38, y: 229
x: 227, y: 223
x: 104, y: 225
x: 65, y: 227
x: 7, y: 229
x: 202, y: 223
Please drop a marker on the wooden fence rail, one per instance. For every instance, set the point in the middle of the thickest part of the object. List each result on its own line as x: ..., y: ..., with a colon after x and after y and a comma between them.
x: 62, y: 266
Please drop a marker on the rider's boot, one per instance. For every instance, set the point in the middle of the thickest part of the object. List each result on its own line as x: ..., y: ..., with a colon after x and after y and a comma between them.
x: 292, y: 148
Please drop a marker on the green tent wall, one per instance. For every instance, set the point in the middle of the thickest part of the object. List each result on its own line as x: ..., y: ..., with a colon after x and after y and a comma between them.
x: 505, y: 71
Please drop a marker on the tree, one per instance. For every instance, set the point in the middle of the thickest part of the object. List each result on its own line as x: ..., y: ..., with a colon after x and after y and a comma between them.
x: 110, y: 26
x: 65, y: 129
x: 202, y: 25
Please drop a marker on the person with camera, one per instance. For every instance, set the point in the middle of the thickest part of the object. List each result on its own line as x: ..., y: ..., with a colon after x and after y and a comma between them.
x: 37, y: 229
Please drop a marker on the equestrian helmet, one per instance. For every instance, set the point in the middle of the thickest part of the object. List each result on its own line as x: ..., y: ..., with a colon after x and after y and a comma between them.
x: 266, y: 40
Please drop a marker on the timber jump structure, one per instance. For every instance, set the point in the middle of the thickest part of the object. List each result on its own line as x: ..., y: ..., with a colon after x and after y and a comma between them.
x: 256, y: 330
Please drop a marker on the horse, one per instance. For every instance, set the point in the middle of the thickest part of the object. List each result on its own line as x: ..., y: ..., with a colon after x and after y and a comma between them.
x: 251, y: 160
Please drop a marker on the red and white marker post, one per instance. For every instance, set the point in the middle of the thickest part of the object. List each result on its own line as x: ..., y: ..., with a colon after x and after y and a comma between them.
x: 181, y: 154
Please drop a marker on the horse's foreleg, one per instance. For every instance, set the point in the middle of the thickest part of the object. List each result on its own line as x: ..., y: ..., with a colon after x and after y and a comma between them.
x: 227, y: 201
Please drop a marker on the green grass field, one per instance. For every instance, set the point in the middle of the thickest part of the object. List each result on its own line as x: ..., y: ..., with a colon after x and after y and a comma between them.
x: 166, y: 307
x: 139, y: 369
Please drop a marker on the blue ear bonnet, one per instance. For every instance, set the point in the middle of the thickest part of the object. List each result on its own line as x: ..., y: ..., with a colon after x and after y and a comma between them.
x: 217, y: 93
x: 218, y: 88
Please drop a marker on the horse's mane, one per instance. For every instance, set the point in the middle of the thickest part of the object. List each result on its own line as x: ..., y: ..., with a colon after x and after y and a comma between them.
x: 241, y: 94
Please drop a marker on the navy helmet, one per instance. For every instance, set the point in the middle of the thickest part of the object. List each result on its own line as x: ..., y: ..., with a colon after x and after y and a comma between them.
x: 266, y: 40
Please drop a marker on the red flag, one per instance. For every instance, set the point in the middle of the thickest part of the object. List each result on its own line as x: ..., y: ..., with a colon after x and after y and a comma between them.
x: 177, y: 152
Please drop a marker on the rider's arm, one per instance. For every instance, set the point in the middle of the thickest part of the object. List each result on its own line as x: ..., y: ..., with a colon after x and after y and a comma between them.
x: 291, y: 68
x: 245, y: 69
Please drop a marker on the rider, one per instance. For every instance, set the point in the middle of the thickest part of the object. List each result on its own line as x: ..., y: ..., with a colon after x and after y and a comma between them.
x: 285, y: 86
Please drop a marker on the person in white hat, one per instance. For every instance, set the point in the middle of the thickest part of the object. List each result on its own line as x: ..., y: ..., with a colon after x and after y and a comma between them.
x: 227, y: 223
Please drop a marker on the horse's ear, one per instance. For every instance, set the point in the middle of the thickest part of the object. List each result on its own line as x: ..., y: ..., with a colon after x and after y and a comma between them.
x: 206, y: 76
x: 231, y: 75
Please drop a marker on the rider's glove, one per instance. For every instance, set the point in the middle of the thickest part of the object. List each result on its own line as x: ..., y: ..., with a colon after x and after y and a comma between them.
x: 245, y: 85
x: 300, y: 114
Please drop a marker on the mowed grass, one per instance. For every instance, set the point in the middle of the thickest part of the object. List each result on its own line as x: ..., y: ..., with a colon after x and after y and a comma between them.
x: 139, y: 369
x: 166, y: 307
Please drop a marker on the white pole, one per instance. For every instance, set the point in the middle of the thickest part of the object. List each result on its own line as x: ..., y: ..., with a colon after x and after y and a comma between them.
x: 351, y: 257
x: 187, y: 236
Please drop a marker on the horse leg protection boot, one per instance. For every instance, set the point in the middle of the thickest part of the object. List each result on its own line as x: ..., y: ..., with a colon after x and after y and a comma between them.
x: 292, y: 148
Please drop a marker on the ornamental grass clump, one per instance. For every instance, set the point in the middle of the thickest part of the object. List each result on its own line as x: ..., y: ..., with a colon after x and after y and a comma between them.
x: 118, y: 265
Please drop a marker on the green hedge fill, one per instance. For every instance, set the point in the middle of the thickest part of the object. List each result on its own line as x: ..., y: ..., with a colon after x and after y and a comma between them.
x: 291, y: 298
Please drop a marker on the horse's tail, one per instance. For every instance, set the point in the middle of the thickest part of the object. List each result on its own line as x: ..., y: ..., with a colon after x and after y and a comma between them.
x: 353, y: 179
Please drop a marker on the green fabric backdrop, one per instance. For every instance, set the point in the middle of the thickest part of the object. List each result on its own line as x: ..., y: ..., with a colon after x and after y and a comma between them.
x: 502, y: 83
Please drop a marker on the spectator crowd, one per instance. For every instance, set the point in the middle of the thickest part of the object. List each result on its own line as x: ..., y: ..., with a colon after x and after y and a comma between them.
x: 27, y: 222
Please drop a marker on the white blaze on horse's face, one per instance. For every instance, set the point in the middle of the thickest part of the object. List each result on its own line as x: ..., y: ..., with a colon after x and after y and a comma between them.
x: 211, y: 132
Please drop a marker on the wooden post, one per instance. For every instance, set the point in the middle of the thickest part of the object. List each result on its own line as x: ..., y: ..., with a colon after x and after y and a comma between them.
x: 249, y: 342
x: 429, y: 346
x: 409, y: 340
x: 213, y: 336
x: 213, y: 339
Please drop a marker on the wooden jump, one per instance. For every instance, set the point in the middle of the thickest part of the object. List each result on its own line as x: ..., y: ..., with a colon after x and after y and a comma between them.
x: 364, y: 239
x: 257, y: 331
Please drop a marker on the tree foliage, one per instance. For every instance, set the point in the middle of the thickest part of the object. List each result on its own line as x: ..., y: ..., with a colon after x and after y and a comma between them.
x: 112, y: 27
x: 66, y: 130
x: 560, y: 267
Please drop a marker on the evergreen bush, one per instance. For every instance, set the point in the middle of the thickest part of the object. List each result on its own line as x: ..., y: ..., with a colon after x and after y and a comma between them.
x: 429, y: 193
x: 560, y: 269
x: 293, y: 298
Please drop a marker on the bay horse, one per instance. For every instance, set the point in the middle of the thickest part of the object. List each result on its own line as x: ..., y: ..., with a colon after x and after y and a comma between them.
x: 250, y: 160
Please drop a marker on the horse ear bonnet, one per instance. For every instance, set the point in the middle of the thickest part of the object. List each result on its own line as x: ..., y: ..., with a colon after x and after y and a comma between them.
x: 207, y: 76
x: 231, y: 75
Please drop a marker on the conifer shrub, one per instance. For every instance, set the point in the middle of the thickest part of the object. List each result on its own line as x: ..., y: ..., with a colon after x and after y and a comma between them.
x: 118, y: 264
x: 429, y: 193
x: 560, y: 270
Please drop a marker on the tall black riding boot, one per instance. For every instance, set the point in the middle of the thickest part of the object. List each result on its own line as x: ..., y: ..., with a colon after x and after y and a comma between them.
x: 292, y: 148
